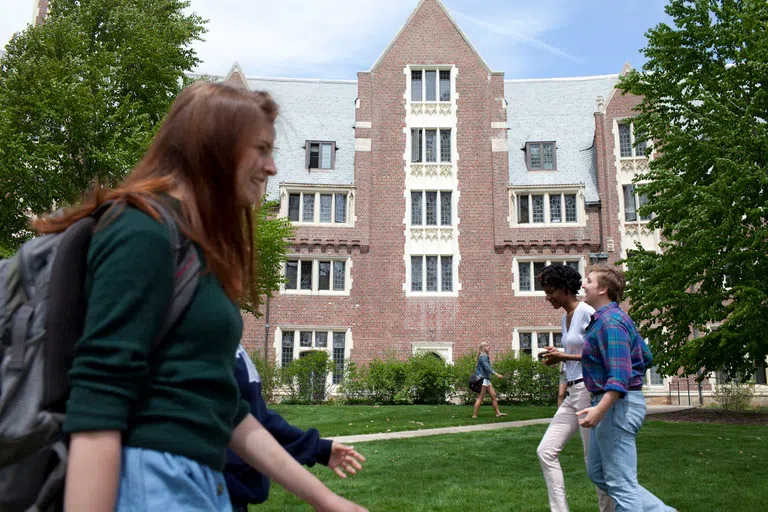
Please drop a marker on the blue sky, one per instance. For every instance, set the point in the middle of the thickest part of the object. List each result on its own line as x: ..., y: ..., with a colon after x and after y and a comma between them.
x: 338, y: 38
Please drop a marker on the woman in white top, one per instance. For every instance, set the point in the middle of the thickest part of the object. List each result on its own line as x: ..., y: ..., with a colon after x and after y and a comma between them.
x: 561, y: 283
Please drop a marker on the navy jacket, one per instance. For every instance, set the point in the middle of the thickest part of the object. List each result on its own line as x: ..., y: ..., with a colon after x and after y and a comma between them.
x: 245, y: 484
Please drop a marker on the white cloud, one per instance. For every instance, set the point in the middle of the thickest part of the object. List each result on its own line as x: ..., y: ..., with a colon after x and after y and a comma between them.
x: 291, y: 36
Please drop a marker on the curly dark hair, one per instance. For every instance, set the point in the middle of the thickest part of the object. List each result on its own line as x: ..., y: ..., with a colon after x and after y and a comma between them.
x: 561, y: 277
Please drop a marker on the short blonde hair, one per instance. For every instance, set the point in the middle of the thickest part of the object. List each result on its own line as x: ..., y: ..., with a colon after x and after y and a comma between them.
x: 610, y: 277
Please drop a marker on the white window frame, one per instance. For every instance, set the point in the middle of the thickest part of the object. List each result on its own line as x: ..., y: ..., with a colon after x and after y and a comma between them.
x: 423, y: 70
x: 438, y: 146
x: 514, y: 200
x: 298, y: 350
x: 632, y: 141
x: 287, y: 192
x: 316, y: 275
x: 424, y: 209
x: 439, y: 292
x: 547, y: 260
x: 663, y: 385
x: 638, y: 219
x: 534, y: 332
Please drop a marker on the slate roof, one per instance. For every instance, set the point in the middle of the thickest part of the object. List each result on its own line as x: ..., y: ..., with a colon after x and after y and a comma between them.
x: 560, y: 110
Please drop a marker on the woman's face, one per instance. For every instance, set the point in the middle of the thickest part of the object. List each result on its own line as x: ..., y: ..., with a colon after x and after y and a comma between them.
x: 487, y: 349
x: 255, y: 165
x: 557, y: 297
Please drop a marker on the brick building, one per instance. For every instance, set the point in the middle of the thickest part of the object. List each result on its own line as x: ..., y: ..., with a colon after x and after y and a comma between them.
x: 428, y: 193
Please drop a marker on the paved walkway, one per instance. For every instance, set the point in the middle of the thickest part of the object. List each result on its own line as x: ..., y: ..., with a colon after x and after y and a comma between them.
x: 652, y: 409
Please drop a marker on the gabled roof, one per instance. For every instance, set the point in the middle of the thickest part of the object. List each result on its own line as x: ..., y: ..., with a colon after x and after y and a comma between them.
x: 235, y: 76
x: 413, y: 14
x: 560, y: 110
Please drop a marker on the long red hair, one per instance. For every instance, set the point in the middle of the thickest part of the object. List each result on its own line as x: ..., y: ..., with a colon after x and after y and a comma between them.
x: 195, y: 154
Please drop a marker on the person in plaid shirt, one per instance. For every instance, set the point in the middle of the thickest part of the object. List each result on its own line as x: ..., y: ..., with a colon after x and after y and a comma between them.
x: 614, y: 360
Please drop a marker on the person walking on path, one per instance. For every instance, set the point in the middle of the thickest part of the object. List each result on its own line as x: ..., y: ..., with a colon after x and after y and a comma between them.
x: 484, y: 371
x: 614, y: 360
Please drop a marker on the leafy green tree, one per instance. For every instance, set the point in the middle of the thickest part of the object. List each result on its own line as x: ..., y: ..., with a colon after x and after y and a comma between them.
x: 703, y: 302
x: 81, y: 97
x: 271, y: 236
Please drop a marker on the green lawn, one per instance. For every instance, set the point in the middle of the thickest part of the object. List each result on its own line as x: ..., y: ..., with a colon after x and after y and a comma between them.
x: 342, y: 420
x: 690, y: 466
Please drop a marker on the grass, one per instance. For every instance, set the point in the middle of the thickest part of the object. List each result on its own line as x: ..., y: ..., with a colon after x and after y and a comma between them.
x: 689, y: 466
x: 345, y: 420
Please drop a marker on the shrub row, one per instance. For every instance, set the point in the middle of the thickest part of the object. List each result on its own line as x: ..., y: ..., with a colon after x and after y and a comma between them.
x: 422, y: 379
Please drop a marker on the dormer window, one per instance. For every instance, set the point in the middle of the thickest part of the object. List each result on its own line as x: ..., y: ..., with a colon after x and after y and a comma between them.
x: 320, y: 155
x: 541, y: 156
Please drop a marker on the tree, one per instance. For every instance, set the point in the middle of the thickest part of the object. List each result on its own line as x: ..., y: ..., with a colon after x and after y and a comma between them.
x: 703, y: 302
x: 271, y: 236
x: 81, y: 97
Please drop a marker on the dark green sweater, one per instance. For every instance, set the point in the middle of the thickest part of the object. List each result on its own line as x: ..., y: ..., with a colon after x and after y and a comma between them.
x: 181, y: 397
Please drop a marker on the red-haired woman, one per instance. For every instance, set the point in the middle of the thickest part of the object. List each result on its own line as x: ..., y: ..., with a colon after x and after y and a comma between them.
x: 150, y: 425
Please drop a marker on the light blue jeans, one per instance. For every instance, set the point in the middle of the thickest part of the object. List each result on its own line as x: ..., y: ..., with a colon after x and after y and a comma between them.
x: 612, y: 456
x: 153, y: 481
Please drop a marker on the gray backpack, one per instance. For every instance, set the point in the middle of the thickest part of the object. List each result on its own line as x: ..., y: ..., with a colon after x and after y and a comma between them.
x: 42, y: 315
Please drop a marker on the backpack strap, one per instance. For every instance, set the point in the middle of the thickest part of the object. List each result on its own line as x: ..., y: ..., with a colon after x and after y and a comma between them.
x: 187, y: 268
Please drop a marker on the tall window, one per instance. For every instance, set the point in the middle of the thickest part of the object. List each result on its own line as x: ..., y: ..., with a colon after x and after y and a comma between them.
x: 287, y: 346
x: 540, y: 156
x: 338, y: 356
x: 430, y: 208
x: 326, y: 207
x: 426, y: 146
x: 431, y: 273
x: 632, y: 203
x: 655, y: 379
x: 631, y: 143
x: 526, y: 346
x: 320, y: 155
x: 430, y: 85
x: 417, y: 86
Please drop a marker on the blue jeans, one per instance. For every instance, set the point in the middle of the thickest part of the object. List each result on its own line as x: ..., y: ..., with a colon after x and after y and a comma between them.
x: 612, y: 456
x: 157, y: 481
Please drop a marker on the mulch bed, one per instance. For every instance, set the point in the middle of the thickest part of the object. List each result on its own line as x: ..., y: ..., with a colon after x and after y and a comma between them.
x: 713, y: 416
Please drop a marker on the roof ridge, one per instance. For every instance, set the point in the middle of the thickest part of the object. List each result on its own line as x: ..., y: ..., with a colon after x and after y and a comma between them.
x: 563, y: 79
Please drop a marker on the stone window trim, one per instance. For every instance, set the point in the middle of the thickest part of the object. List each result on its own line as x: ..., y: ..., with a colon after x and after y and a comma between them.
x: 546, y: 260
x: 519, y: 333
x: 286, y: 190
x: 637, y: 203
x: 541, y: 145
x: 419, y: 219
x: 321, y: 164
x: 547, y: 192
x: 315, y: 260
x: 443, y: 349
x: 635, y: 151
x: 439, y: 91
x: 441, y: 288
x: 420, y: 157
x: 297, y: 349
